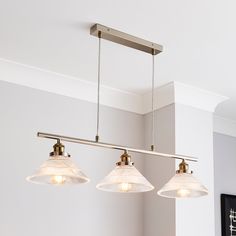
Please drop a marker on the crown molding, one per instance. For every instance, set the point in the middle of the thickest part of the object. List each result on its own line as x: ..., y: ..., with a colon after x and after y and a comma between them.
x: 176, y: 92
x: 45, y: 80
x: 173, y: 92
x: 196, y: 97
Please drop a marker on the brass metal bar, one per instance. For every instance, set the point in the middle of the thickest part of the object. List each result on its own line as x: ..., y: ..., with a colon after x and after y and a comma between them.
x: 113, y: 146
x: 125, y: 39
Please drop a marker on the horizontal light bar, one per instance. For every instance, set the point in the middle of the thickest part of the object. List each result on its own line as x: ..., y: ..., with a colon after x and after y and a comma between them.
x: 125, y: 39
x: 113, y: 146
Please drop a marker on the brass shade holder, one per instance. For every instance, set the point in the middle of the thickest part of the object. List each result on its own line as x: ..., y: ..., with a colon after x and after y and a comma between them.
x: 125, y: 160
x: 183, y: 168
x: 59, y: 150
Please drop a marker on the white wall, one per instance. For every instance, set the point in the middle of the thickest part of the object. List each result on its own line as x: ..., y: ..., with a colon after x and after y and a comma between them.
x: 28, y: 209
x: 194, y: 137
x: 159, y: 212
x: 225, y: 171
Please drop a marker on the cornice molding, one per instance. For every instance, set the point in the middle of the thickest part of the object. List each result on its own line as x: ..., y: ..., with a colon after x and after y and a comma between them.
x: 36, y: 78
x: 196, y: 97
x: 173, y: 92
x: 176, y: 92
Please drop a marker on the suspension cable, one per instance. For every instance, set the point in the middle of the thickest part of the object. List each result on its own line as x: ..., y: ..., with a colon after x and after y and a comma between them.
x: 153, y: 115
x: 98, y: 87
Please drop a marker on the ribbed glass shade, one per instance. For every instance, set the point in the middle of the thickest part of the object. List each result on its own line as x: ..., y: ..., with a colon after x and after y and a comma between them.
x: 58, y: 170
x: 183, y: 185
x: 125, y: 179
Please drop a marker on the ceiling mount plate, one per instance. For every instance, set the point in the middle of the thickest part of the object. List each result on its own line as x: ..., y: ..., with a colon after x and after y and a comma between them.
x: 125, y: 39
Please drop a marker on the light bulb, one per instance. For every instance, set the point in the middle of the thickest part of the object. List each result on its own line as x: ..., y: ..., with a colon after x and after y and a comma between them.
x: 183, y: 193
x: 125, y: 187
x: 58, y: 179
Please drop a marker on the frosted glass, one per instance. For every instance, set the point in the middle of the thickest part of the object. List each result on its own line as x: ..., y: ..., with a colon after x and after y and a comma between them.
x: 58, y: 170
x: 125, y: 179
x: 183, y: 185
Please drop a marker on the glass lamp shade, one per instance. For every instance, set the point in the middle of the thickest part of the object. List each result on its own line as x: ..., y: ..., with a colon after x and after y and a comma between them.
x: 183, y: 185
x: 125, y: 179
x: 58, y: 170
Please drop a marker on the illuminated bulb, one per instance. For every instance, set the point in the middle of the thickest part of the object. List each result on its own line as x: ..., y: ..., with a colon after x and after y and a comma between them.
x: 125, y: 187
x: 183, y: 193
x: 58, y: 179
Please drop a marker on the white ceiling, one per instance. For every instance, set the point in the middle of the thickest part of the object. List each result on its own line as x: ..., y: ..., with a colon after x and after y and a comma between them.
x: 198, y: 38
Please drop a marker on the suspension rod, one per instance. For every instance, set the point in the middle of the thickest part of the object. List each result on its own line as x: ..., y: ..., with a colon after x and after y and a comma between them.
x: 113, y: 146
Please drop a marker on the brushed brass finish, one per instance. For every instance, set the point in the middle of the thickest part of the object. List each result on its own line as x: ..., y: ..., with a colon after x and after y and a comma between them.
x: 183, y: 168
x: 125, y: 39
x: 113, y: 146
x: 125, y: 160
x: 59, y: 150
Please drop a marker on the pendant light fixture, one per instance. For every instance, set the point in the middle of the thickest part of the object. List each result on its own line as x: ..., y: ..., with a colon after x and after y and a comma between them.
x: 125, y: 178
x: 58, y: 169
x: 183, y: 184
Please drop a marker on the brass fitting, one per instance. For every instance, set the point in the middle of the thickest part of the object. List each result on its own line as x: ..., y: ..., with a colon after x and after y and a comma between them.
x: 183, y: 168
x: 125, y: 160
x: 59, y: 150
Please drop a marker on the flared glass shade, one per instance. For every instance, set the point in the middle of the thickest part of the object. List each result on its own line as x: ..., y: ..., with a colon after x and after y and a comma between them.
x: 125, y: 179
x: 183, y: 185
x: 58, y: 170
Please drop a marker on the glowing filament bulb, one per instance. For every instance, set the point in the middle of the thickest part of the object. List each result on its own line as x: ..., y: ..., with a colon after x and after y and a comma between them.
x: 125, y: 187
x: 58, y: 179
x: 183, y: 193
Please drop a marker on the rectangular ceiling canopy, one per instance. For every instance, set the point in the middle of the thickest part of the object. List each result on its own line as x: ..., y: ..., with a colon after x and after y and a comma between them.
x: 128, y: 40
